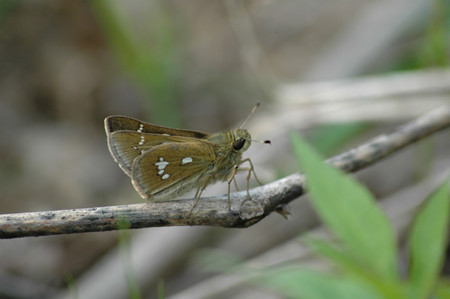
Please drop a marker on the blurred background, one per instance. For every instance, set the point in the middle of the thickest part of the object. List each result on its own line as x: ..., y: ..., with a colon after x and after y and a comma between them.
x: 338, y: 72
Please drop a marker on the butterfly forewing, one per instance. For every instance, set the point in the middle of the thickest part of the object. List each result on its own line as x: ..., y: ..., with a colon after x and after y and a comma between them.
x: 128, y: 138
x: 122, y: 151
x: 121, y: 123
x: 173, y: 165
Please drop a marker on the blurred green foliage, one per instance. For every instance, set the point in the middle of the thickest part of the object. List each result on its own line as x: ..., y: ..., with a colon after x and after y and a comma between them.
x: 365, y: 249
x: 433, y: 49
x: 5, y: 7
x: 124, y: 237
x: 327, y: 139
x: 350, y: 211
x: 148, y: 53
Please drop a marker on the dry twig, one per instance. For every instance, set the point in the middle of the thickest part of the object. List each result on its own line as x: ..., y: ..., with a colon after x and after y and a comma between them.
x: 214, y: 210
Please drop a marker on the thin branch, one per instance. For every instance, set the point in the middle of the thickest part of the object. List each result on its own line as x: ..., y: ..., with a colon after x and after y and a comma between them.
x: 214, y: 210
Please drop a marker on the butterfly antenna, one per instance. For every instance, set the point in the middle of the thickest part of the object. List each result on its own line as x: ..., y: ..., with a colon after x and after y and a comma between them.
x: 250, y: 115
x: 260, y: 141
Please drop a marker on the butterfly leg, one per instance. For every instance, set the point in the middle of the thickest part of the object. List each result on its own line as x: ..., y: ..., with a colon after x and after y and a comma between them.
x: 250, y: 171
x: 240, y: 169
x: 233, y: 174
x: 198, y: 194
x: 232, y: 177
x: 236, y: 185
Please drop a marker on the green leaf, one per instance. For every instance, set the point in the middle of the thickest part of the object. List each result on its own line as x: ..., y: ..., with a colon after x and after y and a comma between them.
x: 428, y: 239
x: 161, y: 290
x: 388, y: 289
x: 302, y: 283
x: 350, y: 211
x: 443, y: 290
x: 337, y: 256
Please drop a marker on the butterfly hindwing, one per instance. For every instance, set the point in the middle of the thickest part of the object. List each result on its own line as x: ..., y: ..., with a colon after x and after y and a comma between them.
x: 173, y: 165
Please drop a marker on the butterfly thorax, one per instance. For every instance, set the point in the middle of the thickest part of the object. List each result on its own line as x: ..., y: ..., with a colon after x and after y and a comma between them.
x: 228, y: 147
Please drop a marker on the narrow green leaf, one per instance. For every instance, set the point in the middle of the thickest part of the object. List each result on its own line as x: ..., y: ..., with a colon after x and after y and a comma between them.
x: 337, y: 256
x: 428, y: 239
x: 302, y: 283
x: 350, y: 211
x: 150, y: 55
x: 161, y: 289
x: 124, y: 249
x: 388, y: 289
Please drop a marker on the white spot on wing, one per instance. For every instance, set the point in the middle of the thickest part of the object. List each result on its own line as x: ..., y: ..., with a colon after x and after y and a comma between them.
x: 161, y: 164
x: 141, y: 128
x: 142, y: 140
x: 186, y: 160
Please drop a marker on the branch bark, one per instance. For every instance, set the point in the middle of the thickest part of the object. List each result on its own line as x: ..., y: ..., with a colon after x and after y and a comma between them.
x: 214, y: 211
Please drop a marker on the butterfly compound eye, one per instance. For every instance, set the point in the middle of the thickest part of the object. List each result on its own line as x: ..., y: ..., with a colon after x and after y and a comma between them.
x: 238, y: 144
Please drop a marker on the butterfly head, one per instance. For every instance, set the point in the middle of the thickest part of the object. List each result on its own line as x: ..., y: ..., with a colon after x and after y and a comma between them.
x: 241, y: 140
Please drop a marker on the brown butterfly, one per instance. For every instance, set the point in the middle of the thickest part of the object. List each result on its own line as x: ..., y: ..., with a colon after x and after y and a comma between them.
x: 164, y: 163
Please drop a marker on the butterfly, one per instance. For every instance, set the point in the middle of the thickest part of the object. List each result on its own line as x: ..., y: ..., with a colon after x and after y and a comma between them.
x: 164, y: 163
